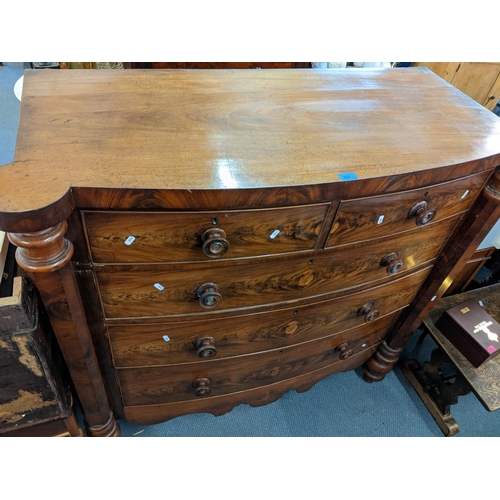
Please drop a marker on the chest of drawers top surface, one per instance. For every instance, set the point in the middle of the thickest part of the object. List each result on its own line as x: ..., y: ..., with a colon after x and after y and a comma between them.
x: 191, y: 130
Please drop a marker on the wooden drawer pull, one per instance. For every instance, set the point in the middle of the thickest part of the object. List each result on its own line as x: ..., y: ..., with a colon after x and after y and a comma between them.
x: 369, y: 312
x: 393, y: 263
x: 344, y: 351
x: 209, y: 295
x: 214, y: 242
x: 202, y: 387
x: 205, y: 347
x: 421, y: 214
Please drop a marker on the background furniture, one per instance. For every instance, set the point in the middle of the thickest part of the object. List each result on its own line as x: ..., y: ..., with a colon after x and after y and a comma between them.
x: 204, y: 242
x: 214, y: 65
x: 35, y: 399
x: 440, y: 388
x: 479, y: 80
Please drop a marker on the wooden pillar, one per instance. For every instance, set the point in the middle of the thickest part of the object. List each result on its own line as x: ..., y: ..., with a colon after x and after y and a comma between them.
x: 46, y: 257
x: 482, y: 217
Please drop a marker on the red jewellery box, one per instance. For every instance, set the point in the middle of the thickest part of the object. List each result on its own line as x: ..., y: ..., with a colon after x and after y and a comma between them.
x: 472, y: 331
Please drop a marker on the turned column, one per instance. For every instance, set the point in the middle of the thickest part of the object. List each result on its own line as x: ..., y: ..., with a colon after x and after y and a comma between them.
x: 46, y: 257
x: 460, y: 248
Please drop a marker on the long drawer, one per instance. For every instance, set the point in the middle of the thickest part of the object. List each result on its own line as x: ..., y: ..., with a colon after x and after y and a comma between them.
x: 180, y: 236
x: 188, y: 341
x: 368, y: 218
x: 157, y: 385
x: 198, y: 288
x: 160, y: 412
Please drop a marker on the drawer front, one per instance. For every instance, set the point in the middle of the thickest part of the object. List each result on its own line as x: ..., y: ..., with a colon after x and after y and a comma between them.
x: 184, y: 236
x: 189, y: 341
x: 199, y: 288
x: 165, y: 384
x: 377, y: 216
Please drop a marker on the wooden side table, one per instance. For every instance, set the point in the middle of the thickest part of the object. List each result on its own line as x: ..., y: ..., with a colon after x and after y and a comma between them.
x: 438, y: 386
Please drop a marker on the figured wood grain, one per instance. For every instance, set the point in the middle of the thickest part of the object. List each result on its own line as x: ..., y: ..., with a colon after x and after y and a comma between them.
x: 156, y: 385
x: 129, y: 291
x: 219, y: 405
x: 368, y: 218
x: 145, y: 345
x: 140, y: 129
x: 177, y: 236
x: 458, y: 250
x: 87, y: 287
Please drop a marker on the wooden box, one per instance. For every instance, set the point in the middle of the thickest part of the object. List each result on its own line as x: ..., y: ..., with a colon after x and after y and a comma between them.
x: 35, y: 397
x: 472, y: 331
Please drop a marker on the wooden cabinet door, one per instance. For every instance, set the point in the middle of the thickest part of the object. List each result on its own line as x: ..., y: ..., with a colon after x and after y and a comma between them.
x: 479, y: 80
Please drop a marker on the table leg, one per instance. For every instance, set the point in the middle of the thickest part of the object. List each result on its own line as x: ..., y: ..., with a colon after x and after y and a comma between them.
x: 439, y: 384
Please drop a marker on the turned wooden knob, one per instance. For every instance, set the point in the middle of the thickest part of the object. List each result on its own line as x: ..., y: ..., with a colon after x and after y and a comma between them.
x: 345, y: 352
x: 369, y: 312
x: 205, y: 347
x: 393, y: 263
x: 209, y: 295
x: 421, y: 214
x: 202, y: 387
x: 214, y: 242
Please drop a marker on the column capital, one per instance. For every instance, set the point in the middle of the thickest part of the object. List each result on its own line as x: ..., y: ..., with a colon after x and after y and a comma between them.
x: 43, y: 251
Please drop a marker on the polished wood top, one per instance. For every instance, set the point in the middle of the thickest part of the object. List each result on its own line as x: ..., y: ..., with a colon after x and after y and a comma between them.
x: 229, y: 129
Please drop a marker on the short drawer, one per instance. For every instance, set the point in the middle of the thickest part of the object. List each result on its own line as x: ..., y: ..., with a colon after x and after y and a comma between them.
x: 369, y: 218
x: 189, y: 341
x: 192, y: 236
x: 165, y: 384
x: 201, y: 288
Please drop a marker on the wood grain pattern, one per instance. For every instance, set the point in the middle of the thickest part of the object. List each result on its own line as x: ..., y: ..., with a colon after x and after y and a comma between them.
x: 140, y: 129
x: 479, y: 80
x: 368, y: 218
x: 177, y: 236
x: 144, y: 345
x: 458, y: 250
x: 219, y: 405
x: 228, y: 141
x: 129, y: 291
x: 156, y: 385
x: 45, y: 256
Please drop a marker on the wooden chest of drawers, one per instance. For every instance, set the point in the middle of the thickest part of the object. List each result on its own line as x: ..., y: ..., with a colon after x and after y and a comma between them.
x: 209, y: 238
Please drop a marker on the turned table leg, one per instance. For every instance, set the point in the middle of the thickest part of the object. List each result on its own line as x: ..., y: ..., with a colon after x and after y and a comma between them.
x: 459, y: 249
x: 46, y: 257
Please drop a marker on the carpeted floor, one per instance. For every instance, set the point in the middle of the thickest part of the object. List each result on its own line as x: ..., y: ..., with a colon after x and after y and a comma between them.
x: 341, y: 405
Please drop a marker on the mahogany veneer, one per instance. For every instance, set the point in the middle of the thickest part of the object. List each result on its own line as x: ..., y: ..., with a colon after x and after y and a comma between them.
x: 203, y: 239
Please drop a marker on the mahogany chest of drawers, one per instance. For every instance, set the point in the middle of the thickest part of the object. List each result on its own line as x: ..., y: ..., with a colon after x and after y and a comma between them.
x: 203, y: 239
